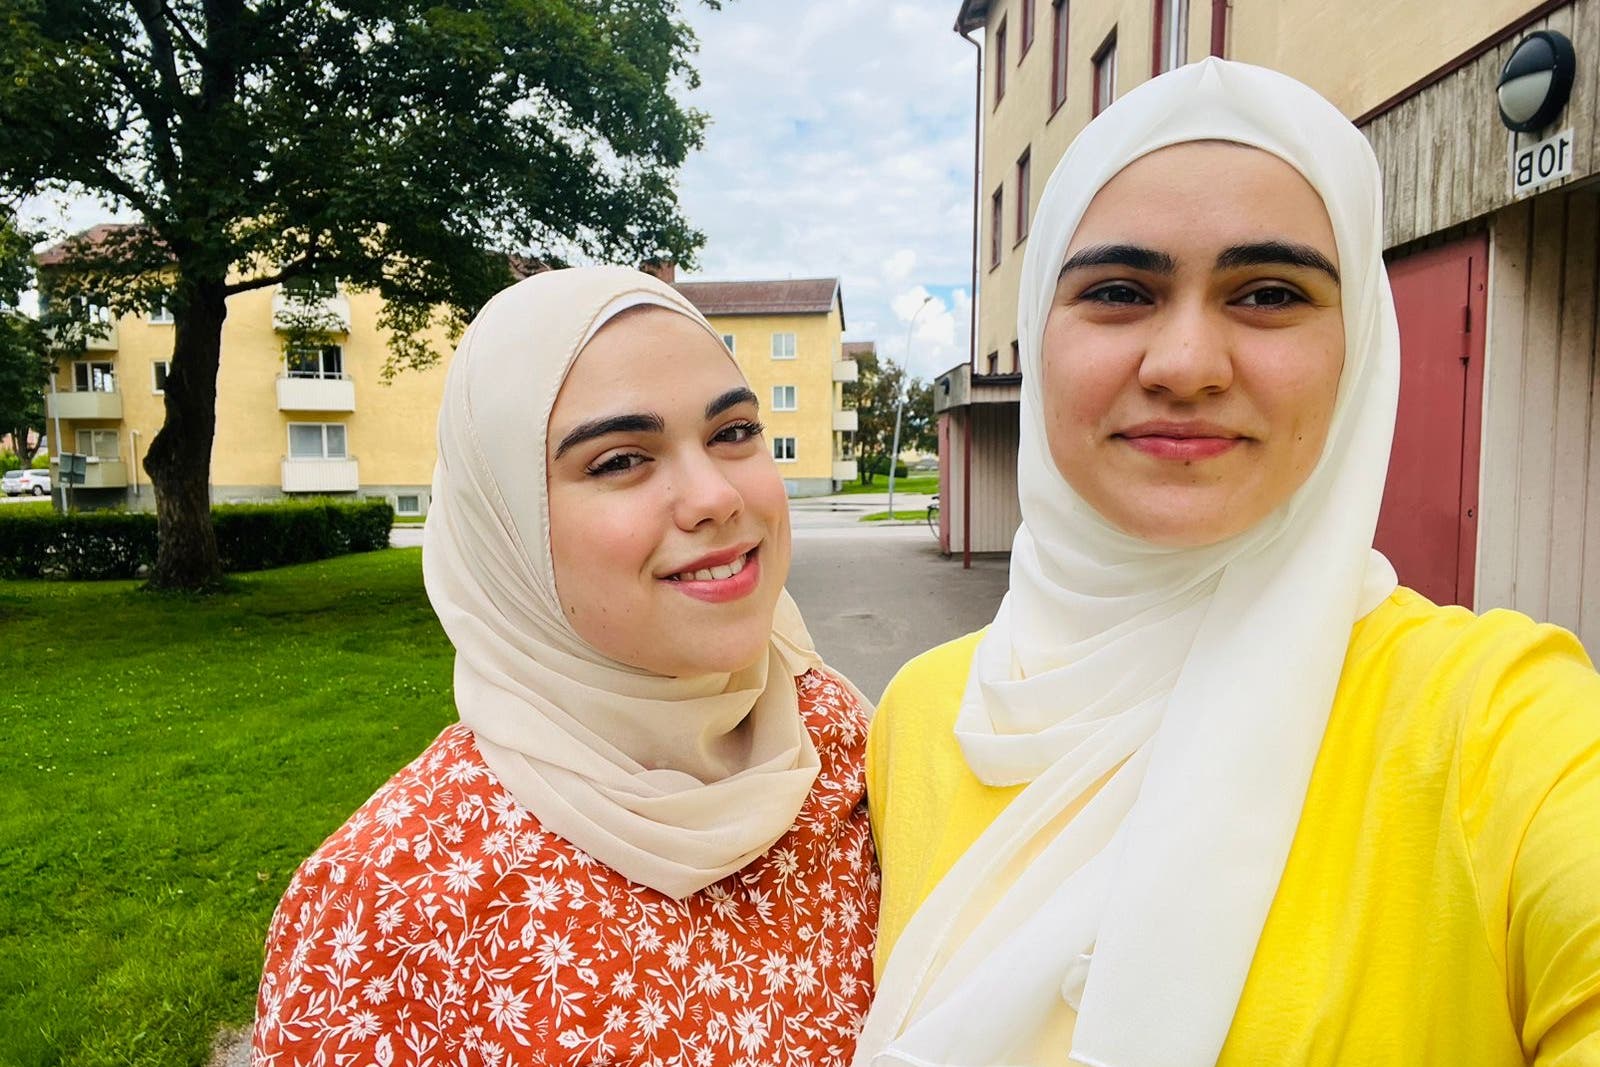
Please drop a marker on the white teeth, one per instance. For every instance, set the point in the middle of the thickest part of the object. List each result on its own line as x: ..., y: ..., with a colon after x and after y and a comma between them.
x: 714, y: 574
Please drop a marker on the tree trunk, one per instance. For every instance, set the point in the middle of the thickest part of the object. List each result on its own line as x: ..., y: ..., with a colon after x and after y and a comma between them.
x: 179, y: 458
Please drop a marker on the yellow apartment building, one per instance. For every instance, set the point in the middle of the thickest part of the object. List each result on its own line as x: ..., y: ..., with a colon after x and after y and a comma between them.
x: 322, y: 421
x: 1494, y: 487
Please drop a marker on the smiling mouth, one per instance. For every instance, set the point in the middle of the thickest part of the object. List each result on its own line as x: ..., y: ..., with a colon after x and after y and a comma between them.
x: 721, y: 572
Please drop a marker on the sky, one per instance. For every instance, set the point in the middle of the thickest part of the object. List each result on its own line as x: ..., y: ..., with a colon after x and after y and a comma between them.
x: 839, y: 144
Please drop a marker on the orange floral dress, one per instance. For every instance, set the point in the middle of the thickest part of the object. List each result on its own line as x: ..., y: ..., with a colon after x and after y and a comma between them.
x: 441, y: 926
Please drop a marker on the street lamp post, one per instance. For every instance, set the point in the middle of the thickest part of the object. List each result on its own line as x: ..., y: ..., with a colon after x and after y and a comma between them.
x: 900, y: 401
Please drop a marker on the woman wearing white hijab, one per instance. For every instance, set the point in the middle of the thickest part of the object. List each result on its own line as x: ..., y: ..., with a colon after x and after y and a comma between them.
x: 644, y: 841
x: 1211, y: 789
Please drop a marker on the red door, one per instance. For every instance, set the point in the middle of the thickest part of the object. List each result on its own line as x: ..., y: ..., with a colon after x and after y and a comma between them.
x: 1428, y: 526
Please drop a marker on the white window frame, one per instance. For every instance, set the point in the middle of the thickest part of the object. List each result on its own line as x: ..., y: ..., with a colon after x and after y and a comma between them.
x: 401, y: 509
x: 727, y: 339
x: 161, y: 314
x: 778, y: 398
x: 157, y: 374
x: 321, y: 373
x: 1174, y: 34
x: 344, y: 433
x: 778, y: 449
x: 105, y: 383
x: 93, y: 437
x: 784, y: 346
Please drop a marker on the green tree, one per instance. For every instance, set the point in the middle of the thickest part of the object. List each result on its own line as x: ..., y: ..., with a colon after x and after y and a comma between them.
x: 24, y: 349
x: 874, y: 393
x: 399, y: 146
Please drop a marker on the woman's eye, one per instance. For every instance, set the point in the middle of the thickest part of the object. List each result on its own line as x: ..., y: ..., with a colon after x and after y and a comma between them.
x: 617, y: 463
x: 1271, y: 296
x: 1115, y: 293
x: 738, y: 432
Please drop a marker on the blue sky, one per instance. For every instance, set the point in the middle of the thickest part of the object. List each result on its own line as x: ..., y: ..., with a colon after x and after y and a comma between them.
x: 839, y: 145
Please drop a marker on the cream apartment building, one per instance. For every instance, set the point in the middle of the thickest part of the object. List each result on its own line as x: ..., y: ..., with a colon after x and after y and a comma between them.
x: 321, y: 420
x: 1494, y: 489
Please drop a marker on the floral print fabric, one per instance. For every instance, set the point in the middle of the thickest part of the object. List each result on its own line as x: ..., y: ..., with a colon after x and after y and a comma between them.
x: 441, y: 926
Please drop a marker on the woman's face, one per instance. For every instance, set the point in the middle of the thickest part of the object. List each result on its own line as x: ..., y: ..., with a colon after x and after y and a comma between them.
x: 1192, y: 354
x: 669, y: 525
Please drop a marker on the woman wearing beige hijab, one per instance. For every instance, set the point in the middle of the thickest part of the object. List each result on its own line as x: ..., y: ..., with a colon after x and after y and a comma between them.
x: 643, y: 843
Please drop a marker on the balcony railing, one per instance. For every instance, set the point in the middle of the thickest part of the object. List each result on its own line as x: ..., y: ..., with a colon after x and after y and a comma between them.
x: 844, y: 470
x: 321, y: 475
x: 845, y: 370
x: 333, y: 392
x: 330, y: 312
x: 106, y: 342
x: 846, y: 421
x: 84, y: 404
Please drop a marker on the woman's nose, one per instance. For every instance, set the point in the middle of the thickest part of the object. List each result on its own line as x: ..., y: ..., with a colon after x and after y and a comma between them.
x: 705, y: 494
x: 1188, y: 354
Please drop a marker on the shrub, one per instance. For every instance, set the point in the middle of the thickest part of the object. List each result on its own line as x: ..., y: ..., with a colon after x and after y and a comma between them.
x: 9, y: 462
x: 41, y: 461
x: 107, y: 544
x: 880, y: 465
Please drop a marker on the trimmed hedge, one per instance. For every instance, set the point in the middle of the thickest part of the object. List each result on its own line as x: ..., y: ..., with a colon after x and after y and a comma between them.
x: 250, y: 537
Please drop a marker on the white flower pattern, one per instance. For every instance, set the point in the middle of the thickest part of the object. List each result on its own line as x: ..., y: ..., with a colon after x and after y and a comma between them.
x: 442, y: 926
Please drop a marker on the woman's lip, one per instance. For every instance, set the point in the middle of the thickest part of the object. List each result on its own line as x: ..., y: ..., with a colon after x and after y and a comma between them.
x: 721, y: 590
x: 1161, y: 446
x: 715, y: 559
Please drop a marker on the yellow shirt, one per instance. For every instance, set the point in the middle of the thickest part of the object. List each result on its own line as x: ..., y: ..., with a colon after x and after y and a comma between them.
x: 1441, y: 900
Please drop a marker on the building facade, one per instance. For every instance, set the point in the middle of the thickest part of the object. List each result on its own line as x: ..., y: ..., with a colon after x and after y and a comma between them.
x: 1494, y: 486
x: 322, y: 420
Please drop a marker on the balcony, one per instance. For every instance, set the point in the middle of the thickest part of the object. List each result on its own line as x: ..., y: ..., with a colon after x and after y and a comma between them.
x: 106, y: 342
x: 333, y: 392
x: 846, y: 421
x: 844, y: 470
x: 320, y: 476
x: 330, y: 314
x: 845, y: 370
x: 84, y: 404
x: 104, y: 474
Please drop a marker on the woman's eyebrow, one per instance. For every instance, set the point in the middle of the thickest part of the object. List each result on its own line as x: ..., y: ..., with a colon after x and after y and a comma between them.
x: 1131, y: 256
x: 639, y: 422
x: 1270, y: 253
x: 732, y: 398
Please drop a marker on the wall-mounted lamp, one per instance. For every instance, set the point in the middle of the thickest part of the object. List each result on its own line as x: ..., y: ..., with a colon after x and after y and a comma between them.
x: 1536, y: 81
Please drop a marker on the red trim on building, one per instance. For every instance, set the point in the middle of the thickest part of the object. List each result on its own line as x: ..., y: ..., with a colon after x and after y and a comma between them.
x: 1219, y: 28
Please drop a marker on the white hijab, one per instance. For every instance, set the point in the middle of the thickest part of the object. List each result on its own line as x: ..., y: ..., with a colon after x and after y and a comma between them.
x: 673, y: 782
x: 1192, y: 686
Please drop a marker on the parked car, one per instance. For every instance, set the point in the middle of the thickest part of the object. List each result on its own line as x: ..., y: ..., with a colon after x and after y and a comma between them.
x: 18, y: 482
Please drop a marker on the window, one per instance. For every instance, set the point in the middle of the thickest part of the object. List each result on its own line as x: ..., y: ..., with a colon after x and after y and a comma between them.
x: 783, y: 449
x: 1172, y: 35
x: 1058, y: 55
x: 1105, y: 74
x: 308, y: 288
x: 316, y: 440
x: 783, y: 346
x: 1000, y: 63
x: 93, y: 377
x: 1016, y: 358
x: 158, y: 375
x: 996, y: 215
x: 408, y: 504
x: 1027, y: 28
x: 101, y: 444
x: 1022, y: 195
x: 315, y: 361
x: 994, y: 362
x: 727, y: 339
x: 783, y: 398
x: 160, y: 313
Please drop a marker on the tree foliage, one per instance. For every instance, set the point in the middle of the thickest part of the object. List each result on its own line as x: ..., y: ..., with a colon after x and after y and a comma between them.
x: 400, y: 146
x: 875, y: 390
x: 24, y: 347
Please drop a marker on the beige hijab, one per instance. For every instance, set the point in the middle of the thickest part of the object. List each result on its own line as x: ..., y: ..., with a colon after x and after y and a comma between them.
x: 673, y: 782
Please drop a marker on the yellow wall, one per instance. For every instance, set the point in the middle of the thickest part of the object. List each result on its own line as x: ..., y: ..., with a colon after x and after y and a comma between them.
x: 817, y: 345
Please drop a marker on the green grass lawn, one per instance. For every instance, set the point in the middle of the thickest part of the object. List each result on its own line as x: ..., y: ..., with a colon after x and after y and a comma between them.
x: 913, y: 483
x: 920, y: 515
x: 167, y: 763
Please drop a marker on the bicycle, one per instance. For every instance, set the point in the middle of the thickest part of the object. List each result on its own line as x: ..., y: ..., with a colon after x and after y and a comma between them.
x: 933, y: 515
